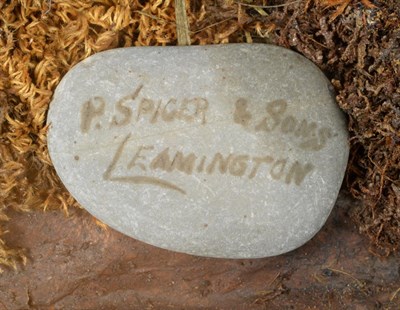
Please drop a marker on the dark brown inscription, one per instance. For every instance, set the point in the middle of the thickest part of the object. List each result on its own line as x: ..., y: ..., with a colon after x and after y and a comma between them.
x: 275, y: 110
x: 139, y: 156
x: 188, y: 110
x: 257, y: 163
x: 91, y: 110
x: 180, y: 162
x: 124, y: 110
x: 221, y: 161
x: 275, y: 118
x: 136, y: 108
x: 135, y: 179
x: 241, y: 115
x: 146, y: 158
x: 200, y: 167
x: 239, y: 165
x: 278, y: 169
x: 298, y: 172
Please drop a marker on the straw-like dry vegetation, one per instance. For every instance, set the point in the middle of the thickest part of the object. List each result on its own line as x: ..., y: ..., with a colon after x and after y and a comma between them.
x: 356, y: 43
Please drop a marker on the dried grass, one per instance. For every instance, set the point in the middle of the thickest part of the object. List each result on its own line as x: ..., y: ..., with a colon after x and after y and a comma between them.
x: 41, y: 40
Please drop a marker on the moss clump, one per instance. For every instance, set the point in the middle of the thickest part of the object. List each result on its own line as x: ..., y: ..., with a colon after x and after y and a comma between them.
x: 356, y: 43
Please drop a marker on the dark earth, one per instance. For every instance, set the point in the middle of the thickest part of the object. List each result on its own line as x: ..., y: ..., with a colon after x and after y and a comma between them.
x: 73, y: 263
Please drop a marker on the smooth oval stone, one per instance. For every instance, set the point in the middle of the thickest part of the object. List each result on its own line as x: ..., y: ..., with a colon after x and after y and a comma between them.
x: 234, y: 151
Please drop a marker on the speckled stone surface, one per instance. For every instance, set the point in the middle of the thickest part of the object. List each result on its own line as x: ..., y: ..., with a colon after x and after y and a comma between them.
x: 234, y: 151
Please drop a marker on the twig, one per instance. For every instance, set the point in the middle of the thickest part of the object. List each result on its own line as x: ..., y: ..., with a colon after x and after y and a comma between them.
x: 182, y: 25
x: 274, y: 279
x: 161, y: 20
x: 360, y: 284
x: 150, y: 16
x: 394, y: 294
x: 267, y: 6
x: 48, y: 7
x: 212, y: 25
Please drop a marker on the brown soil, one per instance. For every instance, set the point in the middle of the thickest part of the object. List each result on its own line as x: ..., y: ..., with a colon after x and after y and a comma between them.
x: 356, y: 43
x: 74, y: 264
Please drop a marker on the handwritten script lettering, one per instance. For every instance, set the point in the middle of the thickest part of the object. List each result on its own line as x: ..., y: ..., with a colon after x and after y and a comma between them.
x: 276, y: 119
x: 135, y: 108
x: 146, y: 158
x: 258, y: 119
